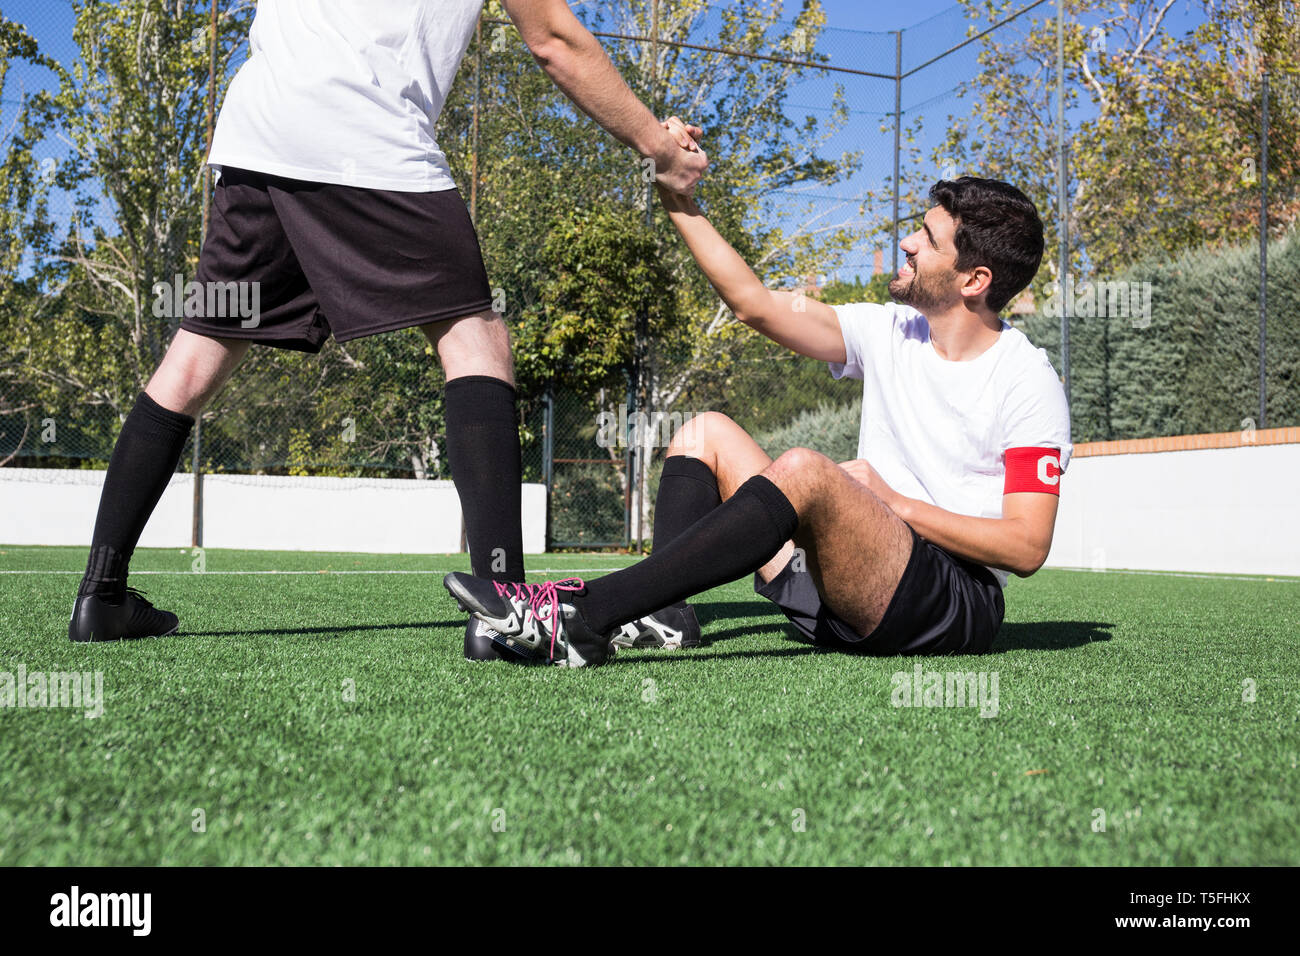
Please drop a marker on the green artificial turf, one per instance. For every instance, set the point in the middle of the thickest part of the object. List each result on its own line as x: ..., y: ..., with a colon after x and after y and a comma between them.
x: 1118, y: 694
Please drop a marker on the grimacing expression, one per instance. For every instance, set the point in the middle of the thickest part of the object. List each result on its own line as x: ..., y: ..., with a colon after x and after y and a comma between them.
x: 927, y: 280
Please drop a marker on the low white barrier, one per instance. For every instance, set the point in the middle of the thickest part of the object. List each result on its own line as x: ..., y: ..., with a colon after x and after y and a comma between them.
x: 384, y: 515
x: 1220, y: 510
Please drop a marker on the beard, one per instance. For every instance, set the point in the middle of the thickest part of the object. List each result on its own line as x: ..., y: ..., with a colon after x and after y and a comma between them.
x: 925, y: 293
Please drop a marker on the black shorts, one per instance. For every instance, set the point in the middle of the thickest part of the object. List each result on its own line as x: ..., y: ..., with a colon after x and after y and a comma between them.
x: 336, y: 260
x: 943, y: 605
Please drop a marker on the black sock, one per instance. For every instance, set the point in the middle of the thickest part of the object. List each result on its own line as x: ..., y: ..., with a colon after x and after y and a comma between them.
x: 144, y: 459
x: 734, y: 539
x: 483, y: 447
x: 688, y: 490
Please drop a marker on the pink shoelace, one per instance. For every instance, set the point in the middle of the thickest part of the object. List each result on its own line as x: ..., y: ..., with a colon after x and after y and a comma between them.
x: 543, y: 600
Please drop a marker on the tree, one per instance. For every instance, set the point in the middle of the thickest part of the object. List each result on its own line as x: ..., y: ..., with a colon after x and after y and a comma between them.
x: 132, y: 114
x: 24, y: 228
x: 1165, y: 158
x: 555, y: 193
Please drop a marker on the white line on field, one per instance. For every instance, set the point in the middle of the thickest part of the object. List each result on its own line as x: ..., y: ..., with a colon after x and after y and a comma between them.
x: 1186, y: 574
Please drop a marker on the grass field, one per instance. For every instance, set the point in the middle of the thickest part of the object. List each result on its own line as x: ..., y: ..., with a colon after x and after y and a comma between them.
x: 236, y: 741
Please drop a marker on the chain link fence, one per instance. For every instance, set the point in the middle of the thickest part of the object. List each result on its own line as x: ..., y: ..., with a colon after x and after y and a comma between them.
x: 824, y: 142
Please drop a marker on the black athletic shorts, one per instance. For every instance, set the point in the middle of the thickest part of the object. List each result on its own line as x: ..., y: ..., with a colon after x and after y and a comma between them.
x: 336, y: 260
x: 943, y: 605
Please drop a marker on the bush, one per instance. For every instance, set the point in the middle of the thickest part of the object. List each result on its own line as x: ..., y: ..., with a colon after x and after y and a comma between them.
x: 586, y: 505
x: 829, y: 429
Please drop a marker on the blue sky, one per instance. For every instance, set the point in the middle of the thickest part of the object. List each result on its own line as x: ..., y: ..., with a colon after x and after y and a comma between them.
x: 50, y: 21
x: 857, y: 36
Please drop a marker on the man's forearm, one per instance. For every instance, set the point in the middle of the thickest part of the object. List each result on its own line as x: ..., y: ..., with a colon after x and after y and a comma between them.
x: 729, y: 274
x: 998, y: 542
x: 800, y: 324
x: 576, y: 63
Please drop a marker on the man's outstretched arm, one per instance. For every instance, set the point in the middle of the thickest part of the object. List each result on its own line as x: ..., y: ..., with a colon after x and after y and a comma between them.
x: 577, y: 64
x: 800, y: 323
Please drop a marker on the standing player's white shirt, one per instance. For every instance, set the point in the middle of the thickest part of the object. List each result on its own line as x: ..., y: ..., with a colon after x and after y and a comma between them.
x: 938, y: 430
x: 346, y: 91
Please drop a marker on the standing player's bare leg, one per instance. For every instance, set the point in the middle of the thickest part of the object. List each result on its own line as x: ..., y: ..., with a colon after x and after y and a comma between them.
x: 477, y: 344
x: 483, y: 448
x: 144, y: 458
x: 194, y: 369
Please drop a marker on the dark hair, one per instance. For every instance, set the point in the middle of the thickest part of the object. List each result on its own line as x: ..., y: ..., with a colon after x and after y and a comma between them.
x: 997, y: 227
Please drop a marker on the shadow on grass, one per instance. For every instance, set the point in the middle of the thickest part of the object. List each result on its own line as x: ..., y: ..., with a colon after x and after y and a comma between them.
x: 343, y: 629
x: 1048, y: 635
x: 1014, y: 635
x: 730, y: 610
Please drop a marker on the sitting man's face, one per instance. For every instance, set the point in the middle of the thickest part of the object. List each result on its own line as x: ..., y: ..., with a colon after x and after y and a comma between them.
x: 927, y: 280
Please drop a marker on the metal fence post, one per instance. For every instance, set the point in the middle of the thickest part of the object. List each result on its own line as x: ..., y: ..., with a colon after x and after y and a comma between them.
x: 548, y: 455
x: 1062, y: 225
x: 898, y: 131
x: 478, y: 94
x: 629, y: 457
x: 196, y: 517
x: 642, y: 343
x: 1263, y: 258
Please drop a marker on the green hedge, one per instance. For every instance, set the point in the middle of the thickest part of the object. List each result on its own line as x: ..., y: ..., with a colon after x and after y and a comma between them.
x: 829, y: 429
x: 1195, y: 367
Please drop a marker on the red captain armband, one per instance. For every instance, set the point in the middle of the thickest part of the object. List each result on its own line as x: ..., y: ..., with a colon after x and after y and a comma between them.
x: 1033, y: 469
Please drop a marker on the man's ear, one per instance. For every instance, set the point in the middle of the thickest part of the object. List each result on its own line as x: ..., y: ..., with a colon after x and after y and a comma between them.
x: 977, y: 282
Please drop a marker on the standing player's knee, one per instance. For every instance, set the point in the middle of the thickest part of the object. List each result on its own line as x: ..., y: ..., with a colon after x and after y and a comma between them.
x: 499, y: 347
x: 476, y: 344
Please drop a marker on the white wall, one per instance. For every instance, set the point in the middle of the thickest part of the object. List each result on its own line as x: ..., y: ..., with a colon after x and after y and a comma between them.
x: 1231, y: 510
x: 45, y: 506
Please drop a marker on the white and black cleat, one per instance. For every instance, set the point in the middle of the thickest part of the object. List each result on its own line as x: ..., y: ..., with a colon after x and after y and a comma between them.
x: 671, y: 628
x: 482, y: 643
x: 531, y: 619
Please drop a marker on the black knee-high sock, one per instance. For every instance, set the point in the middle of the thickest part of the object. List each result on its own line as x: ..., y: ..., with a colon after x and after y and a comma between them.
x: 734, y: 539
x: 144, y: 459
x: 483, y: 447
x: 688, y: 490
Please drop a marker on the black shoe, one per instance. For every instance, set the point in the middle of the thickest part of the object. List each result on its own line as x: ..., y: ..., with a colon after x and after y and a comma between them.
x: 531, y: 619
x: 672, y: 628
x: 96, y: 619
x: 484, y: 644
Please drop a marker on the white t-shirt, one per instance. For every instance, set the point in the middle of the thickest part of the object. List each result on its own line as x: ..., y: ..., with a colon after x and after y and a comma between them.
x: 346, y: 91
x: 938, y: 430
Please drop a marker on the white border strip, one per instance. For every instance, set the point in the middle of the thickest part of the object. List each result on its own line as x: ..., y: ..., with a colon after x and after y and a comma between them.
x: 611, y: 567
x: 1263, y: 579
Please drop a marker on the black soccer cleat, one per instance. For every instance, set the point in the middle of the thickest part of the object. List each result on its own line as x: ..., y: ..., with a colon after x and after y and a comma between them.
x: 531, y: 619
x: 671, y: 628
x: 96, y: 619
x: 484, y: 644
